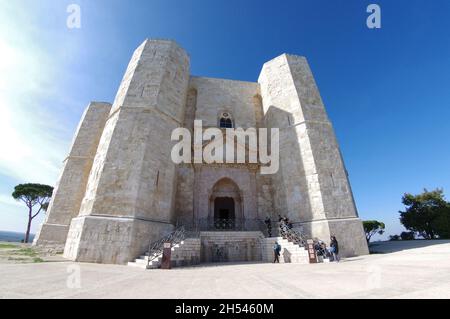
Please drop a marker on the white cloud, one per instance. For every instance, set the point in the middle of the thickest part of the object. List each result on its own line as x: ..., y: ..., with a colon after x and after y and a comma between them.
x: 10, y: 201
x: 33, y: 140
x: 37, y: 112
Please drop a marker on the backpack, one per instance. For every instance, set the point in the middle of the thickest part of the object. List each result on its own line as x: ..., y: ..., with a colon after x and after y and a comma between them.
x: 277, y: 248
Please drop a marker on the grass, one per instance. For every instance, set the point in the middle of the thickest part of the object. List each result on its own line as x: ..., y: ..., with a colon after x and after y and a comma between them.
x: 17, y: 258
x: 38, y: 260
x: 19, y: 254
x: 26, y: 252
x: 8, y: 246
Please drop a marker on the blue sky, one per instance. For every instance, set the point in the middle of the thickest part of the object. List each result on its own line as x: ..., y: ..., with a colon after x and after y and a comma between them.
x: 386, y: 91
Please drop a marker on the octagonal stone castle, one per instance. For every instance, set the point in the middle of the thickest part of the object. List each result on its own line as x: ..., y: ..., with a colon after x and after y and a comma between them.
x: 120, y: 190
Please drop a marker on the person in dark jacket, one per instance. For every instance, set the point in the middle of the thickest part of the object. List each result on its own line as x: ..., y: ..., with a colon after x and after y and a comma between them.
x: 276, y: 252
x: 334, y: 248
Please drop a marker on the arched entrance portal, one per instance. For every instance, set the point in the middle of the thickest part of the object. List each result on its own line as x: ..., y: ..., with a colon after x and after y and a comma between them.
x: 225, y: 204
x: 224, y: 208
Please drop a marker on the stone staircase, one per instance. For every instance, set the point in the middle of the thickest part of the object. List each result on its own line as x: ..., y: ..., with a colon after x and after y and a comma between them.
x: 186, y: 253
x: 234, y: 246
x: 290, y: 252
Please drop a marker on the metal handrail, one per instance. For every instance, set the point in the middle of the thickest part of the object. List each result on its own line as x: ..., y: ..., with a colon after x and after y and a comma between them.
x: 221, y: 224
x: 155, y: 249
x: 292, y: 235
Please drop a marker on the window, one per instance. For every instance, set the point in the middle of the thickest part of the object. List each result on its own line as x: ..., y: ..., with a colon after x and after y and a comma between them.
x: 225, y: 121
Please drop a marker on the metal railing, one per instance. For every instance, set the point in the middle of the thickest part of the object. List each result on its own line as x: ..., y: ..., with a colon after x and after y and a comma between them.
x: 193, y: 228
x: 293, y: 235
x: 220, y: 224
x: 155, y: 249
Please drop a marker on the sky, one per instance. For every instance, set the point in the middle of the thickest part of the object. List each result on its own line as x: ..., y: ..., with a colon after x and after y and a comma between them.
x: 387, y: 90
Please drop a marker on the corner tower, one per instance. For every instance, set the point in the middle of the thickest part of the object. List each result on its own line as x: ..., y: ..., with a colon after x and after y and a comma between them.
x: 129, y: 197
x: 312, y: 186
x: 70, y: 189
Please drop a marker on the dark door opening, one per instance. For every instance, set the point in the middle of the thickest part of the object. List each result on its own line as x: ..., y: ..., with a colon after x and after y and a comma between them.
x: 224, y: 213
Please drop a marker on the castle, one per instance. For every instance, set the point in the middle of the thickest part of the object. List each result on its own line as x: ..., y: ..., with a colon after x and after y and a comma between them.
x: 120, y: 190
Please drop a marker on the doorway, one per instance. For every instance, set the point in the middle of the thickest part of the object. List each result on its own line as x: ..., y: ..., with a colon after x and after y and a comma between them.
x: 224, y: 213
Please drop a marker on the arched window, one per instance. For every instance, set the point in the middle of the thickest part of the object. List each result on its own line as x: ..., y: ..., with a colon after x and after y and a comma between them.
x: 225, y: 121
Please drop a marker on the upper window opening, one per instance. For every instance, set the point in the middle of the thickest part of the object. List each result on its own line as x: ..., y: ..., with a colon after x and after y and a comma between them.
x: 225, y: 121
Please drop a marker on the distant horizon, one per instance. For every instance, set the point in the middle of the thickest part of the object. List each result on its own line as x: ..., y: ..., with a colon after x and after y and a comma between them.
x: 14, y: 237
x: 16, y: 232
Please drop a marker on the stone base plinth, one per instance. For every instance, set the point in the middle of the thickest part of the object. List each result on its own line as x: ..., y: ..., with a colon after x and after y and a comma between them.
x: 52, y: 236
x: 230, y: 246
x: 348, y: 231
x: 111, y: 240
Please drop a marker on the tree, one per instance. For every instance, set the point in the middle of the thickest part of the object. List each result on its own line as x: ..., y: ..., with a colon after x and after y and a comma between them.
x: 33, y: 195
x: 424, y: 212
x: 443, y: 223
x: 372, y: 227
x: 408, y: 235
x: 394, y: 237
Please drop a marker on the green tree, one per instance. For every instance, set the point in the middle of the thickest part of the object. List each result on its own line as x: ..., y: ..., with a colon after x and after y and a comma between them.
x: 424, y: 213
x: 33, y: 195
x: 443, y: 223
x: 408, y: 235
x: 372, y: 227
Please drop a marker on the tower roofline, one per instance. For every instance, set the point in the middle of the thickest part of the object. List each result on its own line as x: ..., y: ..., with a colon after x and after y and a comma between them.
x: 163, y: 40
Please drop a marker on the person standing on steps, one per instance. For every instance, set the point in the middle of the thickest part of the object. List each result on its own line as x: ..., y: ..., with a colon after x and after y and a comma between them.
x: 276, y: 252
x: 334, y: 248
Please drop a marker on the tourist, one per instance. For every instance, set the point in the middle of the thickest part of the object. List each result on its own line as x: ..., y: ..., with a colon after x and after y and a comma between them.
x: 334, y: 248
x: 276, y: 252
x: 268, y: 223
x: 287, y: 223
x: 318, y: 246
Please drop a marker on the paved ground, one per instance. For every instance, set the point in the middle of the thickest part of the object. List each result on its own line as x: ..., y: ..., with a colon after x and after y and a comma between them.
x: 409, y: 272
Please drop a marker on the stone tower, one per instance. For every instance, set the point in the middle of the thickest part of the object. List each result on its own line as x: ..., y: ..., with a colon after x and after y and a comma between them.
x: 119, y: 189
x: 128, y: 197
x: 312, y: 183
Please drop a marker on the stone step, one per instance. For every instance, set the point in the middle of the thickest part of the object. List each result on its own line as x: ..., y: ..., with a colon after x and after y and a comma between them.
x: 146, y: 258
x: 296, y: 252
x: 142, y: 266
x: 287, y: 248
x: 185, y: 253
x: 145, y: 262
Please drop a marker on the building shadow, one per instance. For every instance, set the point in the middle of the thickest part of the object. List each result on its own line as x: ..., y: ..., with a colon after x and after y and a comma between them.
x: 385, y: 247
x: 286, y: 256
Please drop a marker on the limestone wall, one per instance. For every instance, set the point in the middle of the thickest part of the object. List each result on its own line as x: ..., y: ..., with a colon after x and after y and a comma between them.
x: 291, y: 193
x: 231, y: 246
x: 184, y: 199
x: 312, y: 185
x: 70, y: 188
x: 206, y: 176
x: 264, y: 197
x: 218, y: 95
x: 133, y: 180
